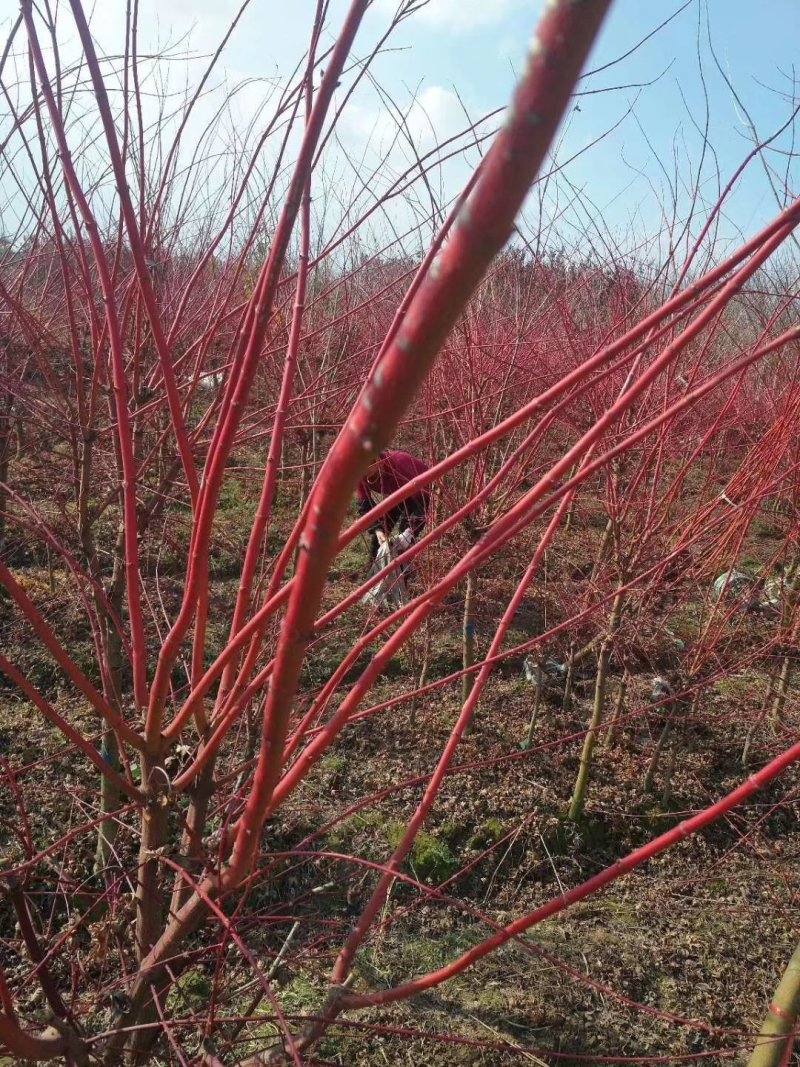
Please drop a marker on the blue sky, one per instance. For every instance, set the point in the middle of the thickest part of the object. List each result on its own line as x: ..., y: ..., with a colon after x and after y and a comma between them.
x: 756, y: 45
x: 473, y: 48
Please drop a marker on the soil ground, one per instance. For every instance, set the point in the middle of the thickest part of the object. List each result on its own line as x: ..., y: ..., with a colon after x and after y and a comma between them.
x: 698, y: 936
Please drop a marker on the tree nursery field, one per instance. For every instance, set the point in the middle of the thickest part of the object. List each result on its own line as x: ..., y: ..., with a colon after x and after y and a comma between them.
x: 525, y: 788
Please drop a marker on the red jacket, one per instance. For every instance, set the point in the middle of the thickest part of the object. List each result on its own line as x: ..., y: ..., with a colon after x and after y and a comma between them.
x: 396, y: 470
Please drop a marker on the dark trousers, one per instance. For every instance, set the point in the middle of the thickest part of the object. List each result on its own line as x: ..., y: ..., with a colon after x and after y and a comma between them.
x: 411, y: 514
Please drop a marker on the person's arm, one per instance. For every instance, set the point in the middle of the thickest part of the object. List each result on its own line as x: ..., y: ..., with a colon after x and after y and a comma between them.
x: 365, y: 503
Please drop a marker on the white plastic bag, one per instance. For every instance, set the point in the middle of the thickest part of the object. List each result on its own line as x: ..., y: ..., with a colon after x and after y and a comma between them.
x: 391, y: 591
x: 736, y: 586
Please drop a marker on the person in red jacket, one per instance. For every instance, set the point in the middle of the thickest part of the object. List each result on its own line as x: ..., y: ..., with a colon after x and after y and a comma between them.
x: 390, y: 472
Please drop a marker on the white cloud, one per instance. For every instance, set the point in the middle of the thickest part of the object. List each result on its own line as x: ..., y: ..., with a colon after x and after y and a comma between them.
x: 200, y: 24
x: 434, y: 115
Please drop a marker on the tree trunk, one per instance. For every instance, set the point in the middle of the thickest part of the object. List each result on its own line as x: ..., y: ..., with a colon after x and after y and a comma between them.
x: 784, y: 679
x: 655, y: 759
x: 581, y: 782
x: 423, y: 674
x: 579, y: 792
x: 6, y: 410
x: 669, y: 770
x: 149, y: 898
x: 537, y: 699
x: 305, y: 469
x: 619, y: 707
x: 109, y: 802
x: 468, y: 680
x: 570, y: 517
x: 566, y: 700
x: 776, y: 1034
x: 748, y: 741
x: 109, y: 792
x: 191, y: 843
